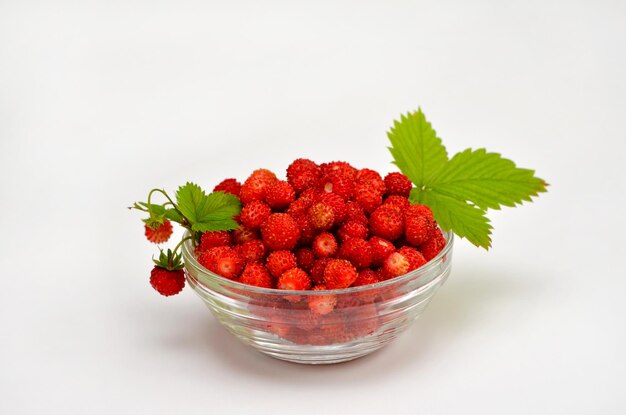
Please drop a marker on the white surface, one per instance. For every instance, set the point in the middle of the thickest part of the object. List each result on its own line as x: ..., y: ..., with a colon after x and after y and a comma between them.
x: 101, y: 101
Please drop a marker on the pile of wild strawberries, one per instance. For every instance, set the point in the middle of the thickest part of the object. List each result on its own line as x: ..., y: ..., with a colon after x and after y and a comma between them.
x: 328, y: 226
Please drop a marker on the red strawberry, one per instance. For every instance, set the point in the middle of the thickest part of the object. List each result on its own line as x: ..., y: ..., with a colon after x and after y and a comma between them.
x: 159, y: 234
x: 433, y: 245
x: 368, y: 199
x: 322, y: 304
x: 254, y: 214
x: 381, y: 249
x: 386, y: 222
x: 167, y: 282
x: 255, y: 187
x: 398, y: 184
x: 355, y: 212
x: 244, y: 234
x: 416, y: 259
x: 325, y: 245
x: 419, y: 210
x: 352, y: 229
x: 294, y: 279
x: 305, y: 258
x: 307, y: 231
x: 337, y: 184
x: 399, y: 201
x: 357, y: 251
x: 336, y: 203
x: 339, y: 273
x: 321, y: 216
x: 302, y: 174
x: 395, y: 265
x: 223, y: 261
x: 279, y: 195
x: 366, y: 277
x: 317, y: 270
x: 418, y: 229
x: 340, y: 168
x: 210, y: 240
x: 231, y: 186
x: 281, y: 261
x: 252, y: 251
x: 280, y: 231
x: 371, y: 179
x: 256, y: 274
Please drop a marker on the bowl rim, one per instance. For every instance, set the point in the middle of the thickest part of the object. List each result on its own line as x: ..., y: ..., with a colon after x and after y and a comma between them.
x: 190, y: 259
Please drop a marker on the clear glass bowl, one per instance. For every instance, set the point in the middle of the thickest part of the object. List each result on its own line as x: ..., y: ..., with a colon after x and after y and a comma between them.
x: 279, y: 323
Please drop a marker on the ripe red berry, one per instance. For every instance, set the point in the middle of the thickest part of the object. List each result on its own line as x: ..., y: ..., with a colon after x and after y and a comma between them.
x: 355, y: 212
x: 381, y: 249
x: 416, y: 259
x: 419, y: 210
x: 340, y: 168
x: 321, y: 216
x: 336, y: 203
x: 255, y: 187
x: 160, y: 233
x: 279, y: 195
x: 433, y: 245
x: 352, y: 229
x: 371, y: 179
x: 302, y: 174
x: 317, y: 270
x: 210, y: 240
x: 306, y: 258
x: 386, y: 222
x: 307, y: 231
x: 418, y: 229
x: 280, y: 231
x: 399, y: 201
x: 294, y: 279
x: 254, y: 214
x: 337, y: 184
x: 322, y: 304
x: 339, y: 273
x: 223, y: 261
x: 398, y: 184
x: 252, y: 251
x: 280, y: 261
x: 357, y: 251
x: 256, y: 274
x: 325, y: 245
x: 231, y: 186
x: 395, y: 265
x: 365, y: 277
x: 243, y: 234
x: 167, y: 282
x: 368, y: 199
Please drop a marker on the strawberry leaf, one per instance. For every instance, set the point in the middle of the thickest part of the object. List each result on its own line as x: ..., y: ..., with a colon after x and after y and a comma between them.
x: 213, y: 212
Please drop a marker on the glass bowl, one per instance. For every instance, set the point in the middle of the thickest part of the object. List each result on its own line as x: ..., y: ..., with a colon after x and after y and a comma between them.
x: 280, y: 323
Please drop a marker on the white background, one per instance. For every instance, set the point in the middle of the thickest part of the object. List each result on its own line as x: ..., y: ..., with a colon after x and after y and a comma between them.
x: 100, y: 101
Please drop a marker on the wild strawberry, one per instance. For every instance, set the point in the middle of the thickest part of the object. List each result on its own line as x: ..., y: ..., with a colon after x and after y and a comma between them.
x: 279, y: 195
x: 280, y: 231
x: 325, y: 245
x: 395, y: 265
x: 210, y: 240
x: 307, y: 231
x: 255, y: 187
x: 321, y: 216
x: 416, y: 259
x: 231, y: 186
x: 223, y: 261
x: 317, y: 270
x: 336, y: 203
x: 433, y: 245
x: 352, y: 229
x: 371, y: 179
x: 294, y: 279
x: 355, y: 212
x: 419, y: 210
x: 365, y: 277
x: 337, y: 184
x: 322, y: 304
x: 341, y: 168
x: 381, y: 249
x: 252, y: 251
x: 418, y: 229
x: 357, y: 251
x: 256, y: 274
x: 280, y: 261
x: 254, y: 214
x: 398, y: 184
x: 368, y: 199
x: 339, y: 273
x: 399, y: 201
x: 244, y: 234
x: 159, y: 233
x: 302, y: 174
x: 305, y: 258
x: 386, y: 222
x: 167, y: 282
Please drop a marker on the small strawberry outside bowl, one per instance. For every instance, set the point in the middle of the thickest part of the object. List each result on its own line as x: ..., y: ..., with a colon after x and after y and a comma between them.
x: 353, y: 322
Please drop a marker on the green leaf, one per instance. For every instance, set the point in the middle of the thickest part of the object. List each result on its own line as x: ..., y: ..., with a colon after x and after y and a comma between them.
x: 416, y: 149
x: 486, y: 179
x: 464, y: 219
x: 207, y: 213
x: 159, y: 210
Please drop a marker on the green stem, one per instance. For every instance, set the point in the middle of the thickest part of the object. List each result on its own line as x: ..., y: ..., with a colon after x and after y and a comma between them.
x: 181, y: 242
x: 185, y: 220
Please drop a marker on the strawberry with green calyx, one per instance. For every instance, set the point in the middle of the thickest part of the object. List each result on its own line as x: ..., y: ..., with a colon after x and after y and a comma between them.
x: 167, y: 276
